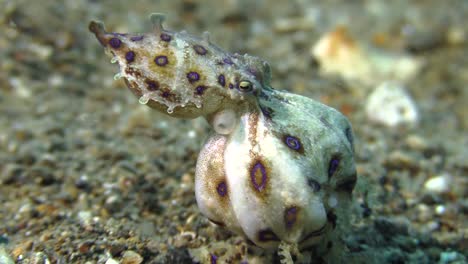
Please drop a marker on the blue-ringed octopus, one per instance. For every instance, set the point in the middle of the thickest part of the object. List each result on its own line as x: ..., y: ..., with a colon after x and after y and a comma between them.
x: 278, y: 168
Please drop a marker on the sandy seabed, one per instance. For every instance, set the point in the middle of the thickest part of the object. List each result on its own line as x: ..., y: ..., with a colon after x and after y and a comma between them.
x: 88, y: 175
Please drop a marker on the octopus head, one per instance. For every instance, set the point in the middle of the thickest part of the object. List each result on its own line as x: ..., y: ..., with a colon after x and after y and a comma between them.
x: 181, y: 74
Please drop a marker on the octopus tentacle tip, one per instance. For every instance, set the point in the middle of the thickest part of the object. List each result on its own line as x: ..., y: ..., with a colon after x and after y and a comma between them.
x: 99, y: 30
x: 158, y: 19
x: 96, y: 27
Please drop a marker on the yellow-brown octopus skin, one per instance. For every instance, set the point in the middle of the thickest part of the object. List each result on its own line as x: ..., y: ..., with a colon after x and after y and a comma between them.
x: 277, y: 168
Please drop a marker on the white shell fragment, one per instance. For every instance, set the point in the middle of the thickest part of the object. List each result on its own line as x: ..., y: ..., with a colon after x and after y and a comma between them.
x: 391, y: 105
x: 338, y: 53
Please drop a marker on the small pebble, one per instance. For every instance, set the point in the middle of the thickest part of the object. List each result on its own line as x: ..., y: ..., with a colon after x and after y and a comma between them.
x: 84, y: 217
x: 43, y: 176
x: 440, y: 209
x: 39, y: 258
x: 391, y: 227
x: 451, y: 257
x: 417, y: 142
x: 116, y: 249
x: 131, y: 257
x: 430, y: 227
x: 12, y: 174
x: 4, y: 257
x: 391, y: 105
x: 85, y: 247
x: 4, y: 239
x: 424, y: 214
x: 424, y: 41
x: 114, y: 203
x: 82, y: 182
x: 111, y: 261
x: 456, y: 36
x: 438, y: 184
x: 287, y: 25
x: 399, y: 160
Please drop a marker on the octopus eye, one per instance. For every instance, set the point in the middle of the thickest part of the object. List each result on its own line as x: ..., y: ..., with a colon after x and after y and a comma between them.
x: 245, y: 86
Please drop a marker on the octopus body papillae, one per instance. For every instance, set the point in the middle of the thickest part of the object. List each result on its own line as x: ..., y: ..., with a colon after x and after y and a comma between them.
x: 277, y: 167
